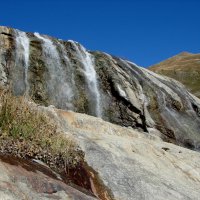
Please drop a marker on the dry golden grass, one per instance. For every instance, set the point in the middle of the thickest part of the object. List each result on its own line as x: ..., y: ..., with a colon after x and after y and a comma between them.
x: 19, y: 121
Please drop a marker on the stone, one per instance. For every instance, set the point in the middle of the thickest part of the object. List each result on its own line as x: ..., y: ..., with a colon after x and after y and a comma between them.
x: 130, y: 148
x: 21, y: 179
x: 126, y: 94
x: 134, y: 165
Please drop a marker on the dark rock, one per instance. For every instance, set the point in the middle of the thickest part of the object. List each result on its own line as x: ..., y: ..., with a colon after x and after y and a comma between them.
x: 128, y: 95
x: 22, y: 179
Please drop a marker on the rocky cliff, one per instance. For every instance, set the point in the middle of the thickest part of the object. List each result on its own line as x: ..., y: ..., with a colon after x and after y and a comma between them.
x: 130, y: 118
x: 66, y: 75
x: 184, y: 67
x: 120, y: 164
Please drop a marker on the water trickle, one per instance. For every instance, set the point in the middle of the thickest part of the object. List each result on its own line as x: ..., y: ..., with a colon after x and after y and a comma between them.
x: 59, y: 89
x: 68, y: 63
x: 90, y: 74
x: 22, y: 54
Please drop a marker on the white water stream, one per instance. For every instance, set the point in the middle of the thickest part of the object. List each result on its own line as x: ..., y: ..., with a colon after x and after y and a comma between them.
x: 22, y: 54
x: 60, y: 91
x: 90, y: 74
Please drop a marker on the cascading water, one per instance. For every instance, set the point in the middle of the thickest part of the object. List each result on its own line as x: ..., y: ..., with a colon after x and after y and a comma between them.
x: 60, y: 92
x: 67, y: 62
x: 90, y: 75
x: 22, y: 54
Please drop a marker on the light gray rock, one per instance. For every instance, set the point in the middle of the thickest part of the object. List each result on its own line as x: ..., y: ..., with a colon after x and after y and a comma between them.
x: 134, y: 165
x: 25, y: 180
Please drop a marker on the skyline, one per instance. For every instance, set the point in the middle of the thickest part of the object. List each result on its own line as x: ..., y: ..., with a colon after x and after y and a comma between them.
x: 144, y: 32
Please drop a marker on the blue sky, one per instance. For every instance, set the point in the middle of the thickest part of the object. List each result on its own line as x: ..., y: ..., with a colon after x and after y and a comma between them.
x: 145, y: 32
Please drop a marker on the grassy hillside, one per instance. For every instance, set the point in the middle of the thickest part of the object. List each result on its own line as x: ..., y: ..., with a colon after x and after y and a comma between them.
x: 184, y: 67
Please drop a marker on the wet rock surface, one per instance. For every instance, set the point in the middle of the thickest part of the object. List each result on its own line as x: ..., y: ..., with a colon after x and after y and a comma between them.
x: 21, y: 179
x: 144, y: 100
x: 66, y: 75
x: 125, y: 156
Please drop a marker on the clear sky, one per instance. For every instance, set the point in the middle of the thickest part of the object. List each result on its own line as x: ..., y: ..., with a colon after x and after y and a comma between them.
x: 145, y: 32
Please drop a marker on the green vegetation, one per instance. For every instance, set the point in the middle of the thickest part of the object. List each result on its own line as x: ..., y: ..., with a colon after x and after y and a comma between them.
x: 184, y: 67
x: 33, y: 133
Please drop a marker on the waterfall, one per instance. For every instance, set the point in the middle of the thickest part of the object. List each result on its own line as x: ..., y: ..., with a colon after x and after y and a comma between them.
x: 67, y: 62
x: 59, y: 89
x: 90, y: 75
x: 22, y: 54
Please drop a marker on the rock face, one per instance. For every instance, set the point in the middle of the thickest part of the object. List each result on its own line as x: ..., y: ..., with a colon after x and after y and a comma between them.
x: 20, y: 180
x: 133, y: 165
x: 64, y: 74
x: 122, y: 163
x: 133, y: 110
x: 184, y: 67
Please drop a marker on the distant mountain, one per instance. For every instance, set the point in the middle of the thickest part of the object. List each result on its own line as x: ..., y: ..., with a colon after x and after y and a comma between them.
x: 184, y: 67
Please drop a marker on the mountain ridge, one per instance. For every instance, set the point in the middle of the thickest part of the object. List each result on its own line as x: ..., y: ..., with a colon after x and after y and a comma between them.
x: 184, y: 67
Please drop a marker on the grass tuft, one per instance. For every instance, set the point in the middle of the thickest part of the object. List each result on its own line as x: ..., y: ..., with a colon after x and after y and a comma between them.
x: 33, y: 133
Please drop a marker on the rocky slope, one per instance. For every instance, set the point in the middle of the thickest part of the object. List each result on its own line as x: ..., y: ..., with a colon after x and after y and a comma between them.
x: 64, y: 74
x: 120, y: 163
x: 184, y: 67
x: 25, y: 180
x: 133, y: 165
x: 127, y: 112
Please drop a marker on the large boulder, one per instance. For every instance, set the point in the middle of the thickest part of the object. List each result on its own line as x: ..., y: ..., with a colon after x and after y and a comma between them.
x: 132, y: 165
x: 22, y: 179
x: 120, y: 163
